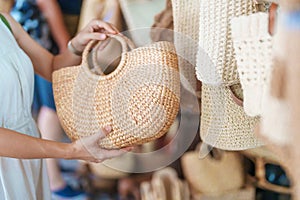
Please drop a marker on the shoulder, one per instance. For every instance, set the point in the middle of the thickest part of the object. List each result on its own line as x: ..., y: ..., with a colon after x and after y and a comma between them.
x: 12, y: 22
x: 15, y: 26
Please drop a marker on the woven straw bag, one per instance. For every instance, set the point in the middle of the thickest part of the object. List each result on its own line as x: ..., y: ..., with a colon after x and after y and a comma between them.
x: 246, y: 193
x: 186, y: 36
x: 253, y: 49
x: 214, y: 175
x: 140, y: 99
x: 224, y: 124
x: 165, y: 185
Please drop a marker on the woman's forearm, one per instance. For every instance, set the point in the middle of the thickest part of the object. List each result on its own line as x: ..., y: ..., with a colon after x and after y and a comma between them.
x: 17, y: 145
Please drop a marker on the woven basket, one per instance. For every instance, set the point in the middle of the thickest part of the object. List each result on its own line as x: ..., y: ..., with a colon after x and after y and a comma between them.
x: 224, y: 124
x: 253, y: 49
x: 165, y: 185
x: 210, y: 175
x: 186, y: 37
x: 140, y: 99
x: 246, y: 193
x: 216, y: 62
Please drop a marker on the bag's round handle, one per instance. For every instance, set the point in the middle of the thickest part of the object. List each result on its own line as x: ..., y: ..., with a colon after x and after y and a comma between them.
x: 126, y: 45
x: 235, y: 98
x: 125, y: 41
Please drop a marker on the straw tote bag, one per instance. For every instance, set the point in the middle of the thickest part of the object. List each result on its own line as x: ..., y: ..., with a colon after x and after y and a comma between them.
x: 186, y: 36
x: 214, y: 175
x: 224, y: 124
x: 140, y: 99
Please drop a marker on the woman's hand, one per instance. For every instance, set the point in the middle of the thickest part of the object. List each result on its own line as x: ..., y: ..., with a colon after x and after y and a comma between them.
x: 95, y: 30
x: 88, y: 149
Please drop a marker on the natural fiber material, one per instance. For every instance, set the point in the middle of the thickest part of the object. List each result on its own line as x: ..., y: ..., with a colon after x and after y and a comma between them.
x: 186, y: 37
x: 224, y: 124
x: 140, y: 99
x: 253, y: 49
x: 213, y: 176
x: 216, y: 60
x: 246, y: 193
x: 165, y: 185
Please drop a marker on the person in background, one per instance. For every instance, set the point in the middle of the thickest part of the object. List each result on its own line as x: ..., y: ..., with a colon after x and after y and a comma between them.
x: 44, y: 21
x: 71, y: 14
x: 5, y: 5
x: 21, y: 56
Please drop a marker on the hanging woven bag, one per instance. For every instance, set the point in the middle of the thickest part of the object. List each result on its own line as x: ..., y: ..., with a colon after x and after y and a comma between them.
x: 224, y: 124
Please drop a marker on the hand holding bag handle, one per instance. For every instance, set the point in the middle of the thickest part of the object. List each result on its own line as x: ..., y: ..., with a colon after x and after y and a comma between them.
x: 126, y: 45
x: 139, y: 99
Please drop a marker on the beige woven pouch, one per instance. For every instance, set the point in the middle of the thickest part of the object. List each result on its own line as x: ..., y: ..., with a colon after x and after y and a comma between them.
x: 140, y: 99
x: 253, y: 49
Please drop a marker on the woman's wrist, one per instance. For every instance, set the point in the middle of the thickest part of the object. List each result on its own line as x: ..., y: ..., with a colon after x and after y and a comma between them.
x: 73, y: 49
x: 70, y: 151
x: 77, y: 150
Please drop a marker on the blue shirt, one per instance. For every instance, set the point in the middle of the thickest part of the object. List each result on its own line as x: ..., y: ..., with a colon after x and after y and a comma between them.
x: 70, y: 6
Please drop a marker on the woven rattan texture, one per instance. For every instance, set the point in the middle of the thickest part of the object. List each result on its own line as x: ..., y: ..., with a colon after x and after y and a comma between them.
x: 216, y: 64
x: 253, y: 48
x: 186, y: 36
x: 140, y: 99
x: 224, y: 124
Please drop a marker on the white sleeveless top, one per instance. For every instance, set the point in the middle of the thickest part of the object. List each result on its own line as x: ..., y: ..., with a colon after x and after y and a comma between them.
x: 19, y: 179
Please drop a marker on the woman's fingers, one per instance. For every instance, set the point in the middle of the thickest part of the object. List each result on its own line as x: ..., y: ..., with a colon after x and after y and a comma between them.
x: 108, y: 26
x: 115, y: 153
x: 99, y: 25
